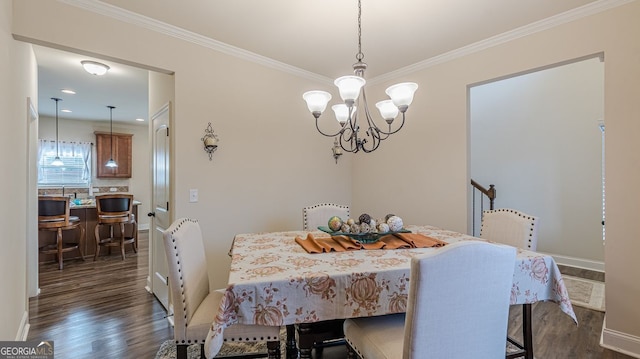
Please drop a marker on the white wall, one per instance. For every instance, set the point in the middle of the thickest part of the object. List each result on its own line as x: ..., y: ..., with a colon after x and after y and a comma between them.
x: 426, y: 177
x: 271, y: 161
x: 83, y: 131
x: 537, y: 138
x: 18, y: 71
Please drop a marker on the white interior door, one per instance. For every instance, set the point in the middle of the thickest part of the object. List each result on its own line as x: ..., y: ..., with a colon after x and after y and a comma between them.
x: 160, y: 206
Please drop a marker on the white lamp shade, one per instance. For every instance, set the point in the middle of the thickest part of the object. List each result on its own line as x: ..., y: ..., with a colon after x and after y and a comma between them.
x: 387, y: 109
x: 349, y: 87
x: 95, y: 68
x: 402, y: 94
x: 342, y: 112
x: 57, y: 162
x: 111, y: 163
x: 316, y: 100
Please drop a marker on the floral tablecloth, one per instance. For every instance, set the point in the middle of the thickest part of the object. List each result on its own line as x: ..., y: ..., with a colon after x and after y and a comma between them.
x: 274, y: 281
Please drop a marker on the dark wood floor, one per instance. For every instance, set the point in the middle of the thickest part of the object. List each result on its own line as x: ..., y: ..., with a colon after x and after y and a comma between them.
x: 101, y: 310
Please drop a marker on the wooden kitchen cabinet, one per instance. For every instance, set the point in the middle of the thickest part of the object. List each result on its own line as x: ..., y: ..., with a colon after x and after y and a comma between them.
x: 121, y: 154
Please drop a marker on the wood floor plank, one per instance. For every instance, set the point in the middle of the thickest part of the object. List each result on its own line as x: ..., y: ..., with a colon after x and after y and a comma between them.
x: 101, y: 310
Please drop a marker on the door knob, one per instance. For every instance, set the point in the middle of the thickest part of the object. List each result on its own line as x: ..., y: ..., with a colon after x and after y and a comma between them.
x: 151, y: 214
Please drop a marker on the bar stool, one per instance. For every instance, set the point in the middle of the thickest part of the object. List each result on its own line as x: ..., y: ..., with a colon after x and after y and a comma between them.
x: 115, y: 210
x: 53, y: 215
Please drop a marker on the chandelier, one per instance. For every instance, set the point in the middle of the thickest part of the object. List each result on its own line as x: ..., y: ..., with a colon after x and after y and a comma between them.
x: 352, y: 92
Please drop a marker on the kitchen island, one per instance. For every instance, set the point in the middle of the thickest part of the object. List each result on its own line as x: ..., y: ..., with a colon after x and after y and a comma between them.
x: 88, y: 215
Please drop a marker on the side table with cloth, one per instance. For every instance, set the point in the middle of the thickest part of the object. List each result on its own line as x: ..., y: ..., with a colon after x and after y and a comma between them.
x: 273, y: 280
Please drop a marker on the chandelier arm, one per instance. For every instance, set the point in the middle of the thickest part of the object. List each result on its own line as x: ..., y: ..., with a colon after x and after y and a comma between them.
x: 370, y: 122
x: 326, y: 134
x: 374, y: 133
x: 396, y: 130
x: 349, y: 137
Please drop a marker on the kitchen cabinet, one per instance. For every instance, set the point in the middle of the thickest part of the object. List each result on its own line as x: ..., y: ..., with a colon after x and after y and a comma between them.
x: 121, y: 154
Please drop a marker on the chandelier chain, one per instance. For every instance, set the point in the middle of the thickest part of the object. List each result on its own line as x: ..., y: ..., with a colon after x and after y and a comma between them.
x: 359, y: 55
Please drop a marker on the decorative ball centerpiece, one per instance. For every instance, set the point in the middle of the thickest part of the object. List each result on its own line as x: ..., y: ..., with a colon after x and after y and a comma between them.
x: 395, y: 223
x: 365, y: 229
x: 335, y: 223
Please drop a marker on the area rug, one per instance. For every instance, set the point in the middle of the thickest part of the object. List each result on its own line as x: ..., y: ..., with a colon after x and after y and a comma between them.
x: 168, y: 349
x: 585, y: 293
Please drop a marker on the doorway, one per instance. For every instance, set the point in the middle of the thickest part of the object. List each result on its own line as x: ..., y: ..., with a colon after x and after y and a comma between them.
x: 82, y: 128
x: 537, y: 137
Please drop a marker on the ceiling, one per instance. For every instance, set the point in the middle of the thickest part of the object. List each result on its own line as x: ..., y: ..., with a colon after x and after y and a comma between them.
x: 316, y: 36
x: 123, y: 86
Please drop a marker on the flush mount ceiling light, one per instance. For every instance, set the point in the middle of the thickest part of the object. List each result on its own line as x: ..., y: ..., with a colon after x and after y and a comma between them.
x: 68, y: 91
x: 347, y: 113
x: 95, y: 68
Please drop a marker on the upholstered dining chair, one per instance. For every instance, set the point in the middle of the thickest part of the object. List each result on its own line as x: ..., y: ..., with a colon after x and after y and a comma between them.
x: 54, y: 215
x: 319, y: 214
x: 115, y: 210
x: 509, y: 226
x: 520, y: 230
x: 194, y: 304
x: 326, y: 333
x: 457, y: 308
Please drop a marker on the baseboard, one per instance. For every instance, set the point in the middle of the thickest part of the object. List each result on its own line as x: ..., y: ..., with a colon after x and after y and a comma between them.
x: 619, y: 342
x: 23, y: 330
x: 578, y: 262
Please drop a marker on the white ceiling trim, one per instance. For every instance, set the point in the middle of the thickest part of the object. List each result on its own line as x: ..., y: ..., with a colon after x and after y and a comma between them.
x: 130, y: 17
x: 538, y: 26
x: 133, y: 18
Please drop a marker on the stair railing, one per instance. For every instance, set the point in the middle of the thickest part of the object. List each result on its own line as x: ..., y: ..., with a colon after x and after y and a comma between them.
x: 480, y: 192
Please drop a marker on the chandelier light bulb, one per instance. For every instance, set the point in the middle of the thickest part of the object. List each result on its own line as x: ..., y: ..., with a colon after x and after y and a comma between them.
x: 316, y: 101
x: 402, y: 94
x: 387, y: 109
x: 349, y: 87
x: 342, y: 112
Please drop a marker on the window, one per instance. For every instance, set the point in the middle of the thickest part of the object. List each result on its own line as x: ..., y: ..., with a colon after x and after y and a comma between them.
x: 76, y: 157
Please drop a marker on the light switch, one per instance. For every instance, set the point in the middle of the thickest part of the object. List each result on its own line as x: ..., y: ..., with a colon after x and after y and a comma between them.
x: 193, y: 195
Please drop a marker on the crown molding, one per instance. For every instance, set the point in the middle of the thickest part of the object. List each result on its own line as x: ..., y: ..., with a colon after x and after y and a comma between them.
x: 133, y: 18
x: 535, y: 27
x: 99, y: 7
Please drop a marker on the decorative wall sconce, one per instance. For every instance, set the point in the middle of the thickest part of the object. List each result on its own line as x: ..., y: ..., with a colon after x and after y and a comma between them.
x: 210, y: 141
x: 337, y: 151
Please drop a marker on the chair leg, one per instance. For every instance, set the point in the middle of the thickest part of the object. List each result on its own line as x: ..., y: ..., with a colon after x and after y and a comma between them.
x: 81, y: 241
x: 273, y: 349
x: 135, y: 237
x: 59, y: 247
x: 292, y: 347
x: 122, y: 240
x: 181, y: 351
x: 97, y: 236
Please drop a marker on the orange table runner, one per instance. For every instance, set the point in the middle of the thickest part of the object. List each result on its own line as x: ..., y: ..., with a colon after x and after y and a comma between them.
x: 344, y: 243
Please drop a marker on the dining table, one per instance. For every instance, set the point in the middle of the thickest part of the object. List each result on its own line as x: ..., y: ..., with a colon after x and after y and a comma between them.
x: 275, y: 281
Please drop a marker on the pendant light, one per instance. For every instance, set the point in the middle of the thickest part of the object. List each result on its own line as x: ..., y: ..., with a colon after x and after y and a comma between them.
x: 111, y: 163
x: 57, y: 161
